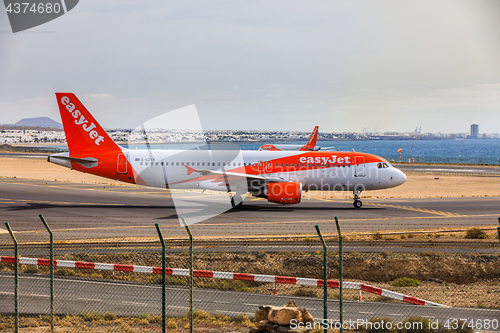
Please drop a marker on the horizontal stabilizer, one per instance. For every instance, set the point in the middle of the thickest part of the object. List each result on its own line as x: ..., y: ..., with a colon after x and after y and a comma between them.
x: 64, y: 158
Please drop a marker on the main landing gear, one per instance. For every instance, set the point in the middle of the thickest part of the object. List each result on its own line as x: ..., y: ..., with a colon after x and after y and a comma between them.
x: 357, y: 203
x: 236, y: 201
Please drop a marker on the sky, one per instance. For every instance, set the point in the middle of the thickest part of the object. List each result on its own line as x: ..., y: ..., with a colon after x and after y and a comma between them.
x: 263, y: 65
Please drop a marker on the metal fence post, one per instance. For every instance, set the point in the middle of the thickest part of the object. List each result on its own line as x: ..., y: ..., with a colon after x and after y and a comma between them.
x: 51, y: 272
x: 190, y: 274
x: 16, y: 278
x: 163, y: 280
x: 325, y: 279
x: 498, y: 229
x: 341, y: 276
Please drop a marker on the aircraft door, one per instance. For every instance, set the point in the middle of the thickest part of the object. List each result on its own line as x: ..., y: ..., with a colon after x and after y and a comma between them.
x: 269, y: 166
x: 261, y: 166
x: 359, y: 167
x: 121, y: 163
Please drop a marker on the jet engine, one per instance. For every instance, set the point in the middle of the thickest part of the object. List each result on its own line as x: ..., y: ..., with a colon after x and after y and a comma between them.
x: 288, y: 193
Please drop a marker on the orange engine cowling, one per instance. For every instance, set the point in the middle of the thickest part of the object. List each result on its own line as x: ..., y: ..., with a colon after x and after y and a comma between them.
x: 284, y: 193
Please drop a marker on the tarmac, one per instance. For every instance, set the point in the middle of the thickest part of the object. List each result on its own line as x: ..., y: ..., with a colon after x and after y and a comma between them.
x: 78, y: 210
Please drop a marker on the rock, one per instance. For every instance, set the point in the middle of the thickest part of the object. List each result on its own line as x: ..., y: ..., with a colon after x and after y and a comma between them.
x: 283, y: 315
x: 253, y: 330
x: 262, y: 313
x: 261, y: 325
x: 272, y: 319
x: 274, y: 328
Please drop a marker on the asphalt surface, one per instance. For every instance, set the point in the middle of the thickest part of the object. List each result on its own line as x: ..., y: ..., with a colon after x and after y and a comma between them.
x: 93, y: 211
x: 126, y: 299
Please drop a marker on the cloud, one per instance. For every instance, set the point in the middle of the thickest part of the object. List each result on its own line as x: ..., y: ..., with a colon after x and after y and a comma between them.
x: 284, y: 65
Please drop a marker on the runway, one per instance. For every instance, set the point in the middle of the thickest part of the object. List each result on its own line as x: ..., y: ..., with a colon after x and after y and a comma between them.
x: 77, y: 210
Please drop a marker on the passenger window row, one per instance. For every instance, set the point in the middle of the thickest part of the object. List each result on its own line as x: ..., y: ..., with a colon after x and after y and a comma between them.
x: 293, y: 165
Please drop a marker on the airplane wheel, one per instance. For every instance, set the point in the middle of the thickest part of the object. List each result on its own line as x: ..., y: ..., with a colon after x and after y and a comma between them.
x: 237, y: 205
x: 357, y: 204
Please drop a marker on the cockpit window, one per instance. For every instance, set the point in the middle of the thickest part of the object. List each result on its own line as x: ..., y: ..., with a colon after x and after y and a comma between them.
x: 379, y: 165
x: 386, y: 165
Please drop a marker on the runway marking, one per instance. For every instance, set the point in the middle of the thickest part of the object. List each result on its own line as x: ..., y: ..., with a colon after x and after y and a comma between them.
x: 416, y: 209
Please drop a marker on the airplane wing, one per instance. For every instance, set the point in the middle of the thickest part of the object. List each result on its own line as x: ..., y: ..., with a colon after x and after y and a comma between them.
x: 227, y: 178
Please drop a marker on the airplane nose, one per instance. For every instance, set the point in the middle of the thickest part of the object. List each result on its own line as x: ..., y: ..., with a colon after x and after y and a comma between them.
x: 400, y: 177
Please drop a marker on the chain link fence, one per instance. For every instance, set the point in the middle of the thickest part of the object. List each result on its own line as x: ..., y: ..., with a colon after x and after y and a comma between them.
x: 116, y: 286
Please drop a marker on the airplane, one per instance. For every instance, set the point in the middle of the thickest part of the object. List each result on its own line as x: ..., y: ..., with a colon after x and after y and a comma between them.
x: 278, y: 176
x: 309, y: 146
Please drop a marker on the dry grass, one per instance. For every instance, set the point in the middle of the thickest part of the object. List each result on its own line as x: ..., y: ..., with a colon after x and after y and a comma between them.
x: 108, y: 322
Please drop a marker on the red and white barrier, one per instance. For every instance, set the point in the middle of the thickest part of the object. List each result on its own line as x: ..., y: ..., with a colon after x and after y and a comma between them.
x: 222, y: 275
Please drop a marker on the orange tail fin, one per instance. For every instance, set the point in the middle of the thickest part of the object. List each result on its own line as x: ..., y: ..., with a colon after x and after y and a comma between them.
x: 313, y: 137
x: 83, y: 132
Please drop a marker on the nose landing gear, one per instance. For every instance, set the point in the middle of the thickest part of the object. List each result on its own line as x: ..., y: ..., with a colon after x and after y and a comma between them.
x: 357, y: 202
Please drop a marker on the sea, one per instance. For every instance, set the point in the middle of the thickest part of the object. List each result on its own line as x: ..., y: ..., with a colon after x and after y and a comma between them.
x: 467, y: 151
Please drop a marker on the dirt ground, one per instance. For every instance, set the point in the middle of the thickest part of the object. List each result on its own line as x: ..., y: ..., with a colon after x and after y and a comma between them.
x: 418, y: 185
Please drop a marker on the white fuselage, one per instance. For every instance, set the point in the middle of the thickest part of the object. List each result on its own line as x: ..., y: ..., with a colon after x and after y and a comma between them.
x: 159, y: 168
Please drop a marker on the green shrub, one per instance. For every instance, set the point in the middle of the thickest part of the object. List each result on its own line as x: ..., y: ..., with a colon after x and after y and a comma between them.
x: 64, y: 271
x: 90, y: 316
x: 171, y: 323
x: 405, y: 282
x: 30, y: 269
x: 242, y: 317
x: 476, y: 233
x: 377, y: 236
x: 418, y: 325
x: 108, y: 316
x: 200, y: 314
x: 305, y: 292
x: 384, y: 299
x: 379, y: 325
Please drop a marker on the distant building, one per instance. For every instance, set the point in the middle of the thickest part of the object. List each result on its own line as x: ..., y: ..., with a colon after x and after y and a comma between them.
x: 474, y: 131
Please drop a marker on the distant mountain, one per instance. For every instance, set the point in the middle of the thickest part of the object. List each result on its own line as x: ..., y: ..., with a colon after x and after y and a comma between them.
x: 38, y: 122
